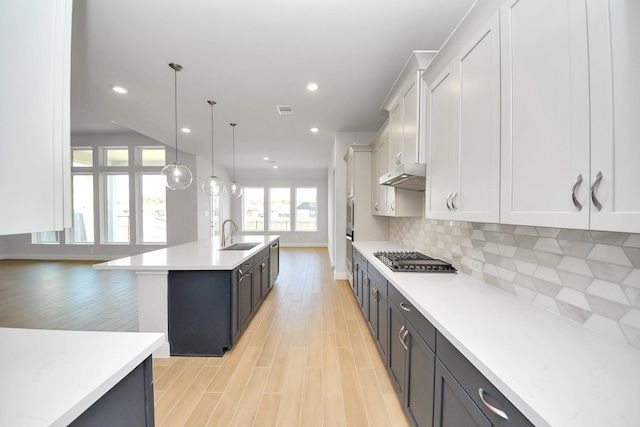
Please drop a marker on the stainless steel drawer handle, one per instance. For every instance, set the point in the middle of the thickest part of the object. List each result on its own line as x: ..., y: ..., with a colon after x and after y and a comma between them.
x: 452, y: 199
x: 574, y: 189
x: 447, y: 202
x: 400, y: 334
x: 492, y: 408
x: 402, y: 341
x: 594, y: 187
x: 376, y: 207
x: 405, y: 307
x: 374, y: 293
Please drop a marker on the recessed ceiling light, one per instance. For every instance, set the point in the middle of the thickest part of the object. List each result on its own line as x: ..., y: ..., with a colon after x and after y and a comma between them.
x: 265, y: 158
x: 275, y: 167
x: 312, y: 86
x: 119, y: 89
x: 314, y: 130
x: 185, y: 130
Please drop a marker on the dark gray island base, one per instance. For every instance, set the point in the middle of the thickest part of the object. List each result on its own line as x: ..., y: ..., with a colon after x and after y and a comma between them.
x: 209, y: 309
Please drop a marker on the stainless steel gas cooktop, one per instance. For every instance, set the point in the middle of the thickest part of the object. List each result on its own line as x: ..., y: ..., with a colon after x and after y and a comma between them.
x: 413, y: 262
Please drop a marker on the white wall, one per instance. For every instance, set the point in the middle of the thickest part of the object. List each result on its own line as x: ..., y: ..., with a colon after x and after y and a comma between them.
x: 341, y: 144
x: 288, y: 178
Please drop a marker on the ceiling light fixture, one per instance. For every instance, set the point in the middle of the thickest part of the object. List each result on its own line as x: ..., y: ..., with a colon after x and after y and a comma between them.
x: 314, y: 130
x: 275, y: 167
x: 265, y: 158
x: 213, y: 185
x: 234, y: 186
x: 312, y: 86
x: 178, y: 175
x: 185, y: 130
x: 119, y: 89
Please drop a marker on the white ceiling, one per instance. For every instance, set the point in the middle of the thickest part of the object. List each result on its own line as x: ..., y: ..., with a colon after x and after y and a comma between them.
x: 249, y: 56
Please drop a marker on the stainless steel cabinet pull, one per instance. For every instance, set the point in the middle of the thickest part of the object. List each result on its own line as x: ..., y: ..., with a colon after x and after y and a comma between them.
x: 264, y: 265
x: 240, y: 272
x: 594, y: 187
x: 405, y: 307
x: 398, y: 160
x: 376, y: 207
x: 404, y: 344
x: 393, y: 205
x: 492, y: 408
x: 400, y: 333
x: 374, y: 292
x: 447, y: 203
x: 452, y: 199
x: 574, y: 189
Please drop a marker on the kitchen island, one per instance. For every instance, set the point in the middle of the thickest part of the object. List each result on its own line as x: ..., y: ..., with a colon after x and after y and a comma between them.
x: 554, y: 371
x: 57, y: 378
x: 200, y: 261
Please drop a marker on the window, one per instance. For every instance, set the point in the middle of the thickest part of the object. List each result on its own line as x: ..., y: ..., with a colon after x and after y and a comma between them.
x: 152, y: 157
x: 46, y: 238
x: 280, y: 209
x: 154, y: 208
x: 117, y: 208
x: 82, y: 196
x: 116, y: 156
x: 306, y: 206
x: 253, y: 209
x: 82, y: 157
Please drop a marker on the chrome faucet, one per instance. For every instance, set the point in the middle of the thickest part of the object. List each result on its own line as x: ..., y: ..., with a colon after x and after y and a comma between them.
x: 223, y: 239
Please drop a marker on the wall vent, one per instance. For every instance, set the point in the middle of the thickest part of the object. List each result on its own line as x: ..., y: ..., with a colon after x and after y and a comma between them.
x: 285, y: 110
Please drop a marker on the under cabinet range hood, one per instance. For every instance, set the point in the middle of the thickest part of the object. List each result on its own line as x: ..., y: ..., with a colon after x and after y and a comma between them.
x: 408, y: 176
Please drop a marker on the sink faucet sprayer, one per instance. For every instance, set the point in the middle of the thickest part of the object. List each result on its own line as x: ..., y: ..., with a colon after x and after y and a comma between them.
x: 223, y: 239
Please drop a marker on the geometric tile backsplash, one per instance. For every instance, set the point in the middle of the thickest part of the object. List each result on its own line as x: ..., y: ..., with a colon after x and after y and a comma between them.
x: 591, y: 277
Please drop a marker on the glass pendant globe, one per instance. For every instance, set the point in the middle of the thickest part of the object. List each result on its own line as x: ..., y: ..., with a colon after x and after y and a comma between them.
x: 178, y: 176
x: 235, y: 189
x: 213, y: 186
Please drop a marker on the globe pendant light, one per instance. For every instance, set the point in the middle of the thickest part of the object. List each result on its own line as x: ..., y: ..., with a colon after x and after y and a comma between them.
x: 213, y: 185
x: 178, y: 175
x: 235, y: 189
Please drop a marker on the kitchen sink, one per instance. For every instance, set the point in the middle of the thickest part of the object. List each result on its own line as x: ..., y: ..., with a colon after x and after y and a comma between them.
x: 240, y: 247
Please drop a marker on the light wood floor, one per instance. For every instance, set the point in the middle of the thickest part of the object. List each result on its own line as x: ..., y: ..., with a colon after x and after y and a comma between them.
x: 307, y: 358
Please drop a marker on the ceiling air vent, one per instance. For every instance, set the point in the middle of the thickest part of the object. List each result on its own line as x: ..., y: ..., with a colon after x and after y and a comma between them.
x: 285, y: 110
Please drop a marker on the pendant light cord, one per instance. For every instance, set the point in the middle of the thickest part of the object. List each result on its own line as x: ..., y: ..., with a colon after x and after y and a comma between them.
x: 175, y: 105
x: 233, y: 125
x: 212, y: 103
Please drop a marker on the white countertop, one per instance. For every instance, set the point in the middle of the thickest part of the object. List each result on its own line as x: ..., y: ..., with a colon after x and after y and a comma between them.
x: 555, y: 371
x: 198, y: 255
x: 49, y: 378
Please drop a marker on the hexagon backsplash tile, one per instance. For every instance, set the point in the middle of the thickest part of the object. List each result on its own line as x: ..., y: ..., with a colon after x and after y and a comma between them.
x: 591, y: 277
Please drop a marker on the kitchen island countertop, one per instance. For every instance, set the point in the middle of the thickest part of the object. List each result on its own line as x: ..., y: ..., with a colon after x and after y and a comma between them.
x: 199, y: 255
x: 555, y: 371
x: 49, y: 378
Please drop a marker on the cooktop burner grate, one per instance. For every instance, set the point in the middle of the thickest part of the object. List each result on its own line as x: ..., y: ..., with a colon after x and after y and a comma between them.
x: 413, y: 262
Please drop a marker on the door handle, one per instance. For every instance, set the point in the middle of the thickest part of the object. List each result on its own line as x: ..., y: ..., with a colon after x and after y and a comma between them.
x: 594, y: 187
x: 447, y: 202
x: 404, y: 306
x: 404, y: 344
x: 492, y: 408
x: 452, y: 199
x: 574, y: 189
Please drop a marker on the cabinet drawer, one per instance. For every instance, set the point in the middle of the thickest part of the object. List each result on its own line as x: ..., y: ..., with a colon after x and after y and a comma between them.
x: 472, y: 381
x: 259, y: 257
x: 424, y: 328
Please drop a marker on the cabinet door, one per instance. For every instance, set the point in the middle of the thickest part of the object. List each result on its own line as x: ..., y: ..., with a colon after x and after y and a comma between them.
x: 350, y: 178
x: 419, y: 381
x: 478, y: 67
x: 382, y: 304
x: 614, y: 36
x: 364, y: 294
x: 397, y: 354
x: 452, y: 405
x: 394, y: 150
x: 410, y: 124
x: 245, y: 306
x: 264, y: 277
x: 545, y: 112
x: 379, y: 168
x: 443, y: 146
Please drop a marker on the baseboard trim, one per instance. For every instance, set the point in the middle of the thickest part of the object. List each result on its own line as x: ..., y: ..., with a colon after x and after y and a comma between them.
x: 63, y: 257
x: 339, y: 276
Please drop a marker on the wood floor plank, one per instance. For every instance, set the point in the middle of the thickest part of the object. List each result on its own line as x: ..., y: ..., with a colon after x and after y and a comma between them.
x: 203, y: 410
x: 311, y: 410
x: 268, y: 410
x: 173, y: 395
x: 186, y: 404
x: 250, y: 402
x: 377, y: 415
x: 351, y: 393
x: 333, y: 411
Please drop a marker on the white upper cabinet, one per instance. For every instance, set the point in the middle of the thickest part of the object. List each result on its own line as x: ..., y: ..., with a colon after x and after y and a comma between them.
x: 614, y: 61
x: 464, y: 133
x: 34, y: 115
x: 405, y: 106
x: 545, y: 113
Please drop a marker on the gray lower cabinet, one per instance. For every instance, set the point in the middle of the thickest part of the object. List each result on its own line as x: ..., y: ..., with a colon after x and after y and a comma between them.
x: 358, y: 275
x: 378, y: 310
x: 455, y: 372
x: 411, y: 358
x: 209, y: 309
